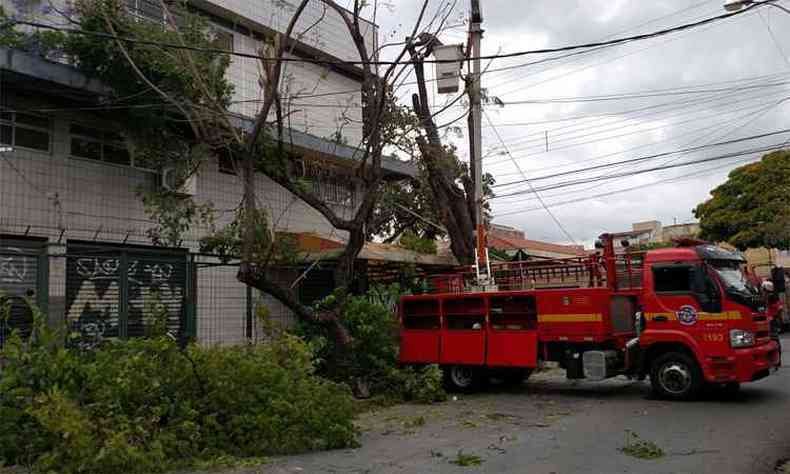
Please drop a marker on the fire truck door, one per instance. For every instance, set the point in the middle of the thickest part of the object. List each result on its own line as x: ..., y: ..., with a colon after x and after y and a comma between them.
x: 463, y: 332
x: 512, y: 332
x: 670, y: 302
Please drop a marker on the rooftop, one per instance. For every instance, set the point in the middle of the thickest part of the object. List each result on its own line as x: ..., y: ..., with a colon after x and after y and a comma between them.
x: 510, y: 243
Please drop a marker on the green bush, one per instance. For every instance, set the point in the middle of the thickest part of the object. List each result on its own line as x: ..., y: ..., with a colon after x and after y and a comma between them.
x: 423, y: 384
x: 146, y: 405
x: 372, y: 355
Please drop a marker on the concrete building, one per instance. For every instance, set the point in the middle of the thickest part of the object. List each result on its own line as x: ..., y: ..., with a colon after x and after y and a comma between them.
x: 651, y: 232
x: 513, y: 242
x: 73, y: 229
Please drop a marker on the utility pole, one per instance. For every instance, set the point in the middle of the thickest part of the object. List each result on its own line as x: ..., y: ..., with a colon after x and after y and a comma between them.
x: 476, y: 161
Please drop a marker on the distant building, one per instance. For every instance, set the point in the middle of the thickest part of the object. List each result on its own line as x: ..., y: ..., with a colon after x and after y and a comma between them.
x: 514, y: 244
x: 670, y: 232
x: 651, y: 232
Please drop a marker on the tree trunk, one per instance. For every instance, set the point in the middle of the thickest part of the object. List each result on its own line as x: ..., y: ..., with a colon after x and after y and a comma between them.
x: 249, y: 275
x: 450, y: 200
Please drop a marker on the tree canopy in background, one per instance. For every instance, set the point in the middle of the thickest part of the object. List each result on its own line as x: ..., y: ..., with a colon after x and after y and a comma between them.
x: 752, y: 208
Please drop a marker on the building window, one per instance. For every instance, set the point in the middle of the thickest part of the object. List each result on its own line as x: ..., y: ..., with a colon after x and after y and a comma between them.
x: 327, y: 184
x: 146, y: 10
x: 222, y: 40
x: 98, y: 145
x: 25, y: 131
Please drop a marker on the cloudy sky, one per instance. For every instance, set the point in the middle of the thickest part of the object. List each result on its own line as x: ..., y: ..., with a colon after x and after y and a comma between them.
x: 718, y: 82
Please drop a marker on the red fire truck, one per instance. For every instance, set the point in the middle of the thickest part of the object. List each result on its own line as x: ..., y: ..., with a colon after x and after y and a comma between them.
x: 682, y: 316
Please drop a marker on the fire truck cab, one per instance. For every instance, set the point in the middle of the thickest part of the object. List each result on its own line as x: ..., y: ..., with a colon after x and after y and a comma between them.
x: 684, y: 317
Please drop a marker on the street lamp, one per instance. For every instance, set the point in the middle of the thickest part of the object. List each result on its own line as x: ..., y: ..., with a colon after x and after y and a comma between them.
x: 735, y: 5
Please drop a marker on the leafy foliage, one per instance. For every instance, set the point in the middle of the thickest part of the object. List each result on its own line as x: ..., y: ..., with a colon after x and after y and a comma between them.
x: 372, y: 355
x: 466, y: 460
x: 145, y: 405
x: 411, y: 207
x: 751, y: 208
x: 174, y: 215
x: 411, y: 241
x: 268, y: 247
x: 640, y: 448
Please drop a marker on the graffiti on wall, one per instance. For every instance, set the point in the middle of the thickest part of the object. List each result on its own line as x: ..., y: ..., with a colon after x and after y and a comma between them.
x: 18, y: 280
x: 93, y: 288
x: 14, y: 265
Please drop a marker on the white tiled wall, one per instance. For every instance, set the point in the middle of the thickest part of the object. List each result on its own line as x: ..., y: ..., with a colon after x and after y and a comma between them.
x: 316, y: 100
x: 90, y: 198
x: 42, y: 192
x: 328, y: 34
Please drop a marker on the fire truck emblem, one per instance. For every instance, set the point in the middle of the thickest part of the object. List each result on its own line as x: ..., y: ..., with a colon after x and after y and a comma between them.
x: 687, y: 315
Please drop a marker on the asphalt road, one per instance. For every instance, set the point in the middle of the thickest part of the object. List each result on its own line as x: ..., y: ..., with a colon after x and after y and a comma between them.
x: 551, y: 425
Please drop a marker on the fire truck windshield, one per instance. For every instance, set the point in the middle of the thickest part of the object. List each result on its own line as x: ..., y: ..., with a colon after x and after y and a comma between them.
x: 736, y: 284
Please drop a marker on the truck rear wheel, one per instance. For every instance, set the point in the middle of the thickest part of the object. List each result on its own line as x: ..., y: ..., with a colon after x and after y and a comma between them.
x: 676, y: 376
x: 462, y: 378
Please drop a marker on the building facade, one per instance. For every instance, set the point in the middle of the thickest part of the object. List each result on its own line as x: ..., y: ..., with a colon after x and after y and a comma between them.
x: 513, y: 243
x: 74, y: 230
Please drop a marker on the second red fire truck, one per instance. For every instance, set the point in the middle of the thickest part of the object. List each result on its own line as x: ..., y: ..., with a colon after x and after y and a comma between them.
x: 684, y: 317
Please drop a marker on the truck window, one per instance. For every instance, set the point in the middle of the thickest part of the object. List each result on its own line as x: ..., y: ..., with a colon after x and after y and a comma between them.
x: 673, y: 279
x: 465, y: 323
x: 513, y: 313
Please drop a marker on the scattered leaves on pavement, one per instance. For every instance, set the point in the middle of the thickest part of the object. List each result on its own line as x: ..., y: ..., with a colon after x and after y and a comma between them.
x: 640, y: 448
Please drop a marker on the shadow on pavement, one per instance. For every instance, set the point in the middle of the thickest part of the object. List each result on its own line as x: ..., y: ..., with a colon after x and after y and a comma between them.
x: 619, y: 389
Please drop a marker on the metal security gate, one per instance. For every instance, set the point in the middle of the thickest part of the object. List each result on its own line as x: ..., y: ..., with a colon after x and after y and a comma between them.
x: 22, y: 275
x: 116, y: 291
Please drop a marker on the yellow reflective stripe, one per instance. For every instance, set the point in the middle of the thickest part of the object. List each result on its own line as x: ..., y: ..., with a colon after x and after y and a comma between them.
x: 570, y: 318
x: 725, y: 316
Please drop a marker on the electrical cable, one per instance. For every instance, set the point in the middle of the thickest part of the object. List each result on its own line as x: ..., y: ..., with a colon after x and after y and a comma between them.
x: 537, y: 195
x: 649, y: 157
x: 714, y: 126
x: 693, y: 174
x: 607, y: 138
x: 648, y: 170
x: 613, y: 42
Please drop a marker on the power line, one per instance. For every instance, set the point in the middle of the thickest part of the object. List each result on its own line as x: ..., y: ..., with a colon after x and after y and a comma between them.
x: 752, y: 116
x: 611, y: 124
x: 693, y: 118
x: 649, y: 170
x: 628, y: 111
x: 715, y: 125
x: 693, y: 174
x: 537, y: 195
x: 520, y: 78
x: 582, y: 68
x: 613, y: 42
x: 642, y: 95
x: 645, y: 158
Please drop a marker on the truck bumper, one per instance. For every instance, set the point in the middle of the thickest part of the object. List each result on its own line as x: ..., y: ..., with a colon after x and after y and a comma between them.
x: 745, y: 365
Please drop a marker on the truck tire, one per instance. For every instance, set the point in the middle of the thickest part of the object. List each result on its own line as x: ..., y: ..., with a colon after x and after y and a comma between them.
x: 676, y: 376
x: 462, y: 378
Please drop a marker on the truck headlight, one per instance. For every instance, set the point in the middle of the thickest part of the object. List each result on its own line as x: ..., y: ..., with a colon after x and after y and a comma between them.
x: 741, y: 338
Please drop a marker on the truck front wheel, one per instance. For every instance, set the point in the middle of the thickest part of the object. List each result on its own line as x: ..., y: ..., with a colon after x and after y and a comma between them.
x: 462, y: 378
x: 676, y: 376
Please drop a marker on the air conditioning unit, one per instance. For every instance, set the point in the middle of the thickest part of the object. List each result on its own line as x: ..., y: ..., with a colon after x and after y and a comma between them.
x: 170, y: 182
